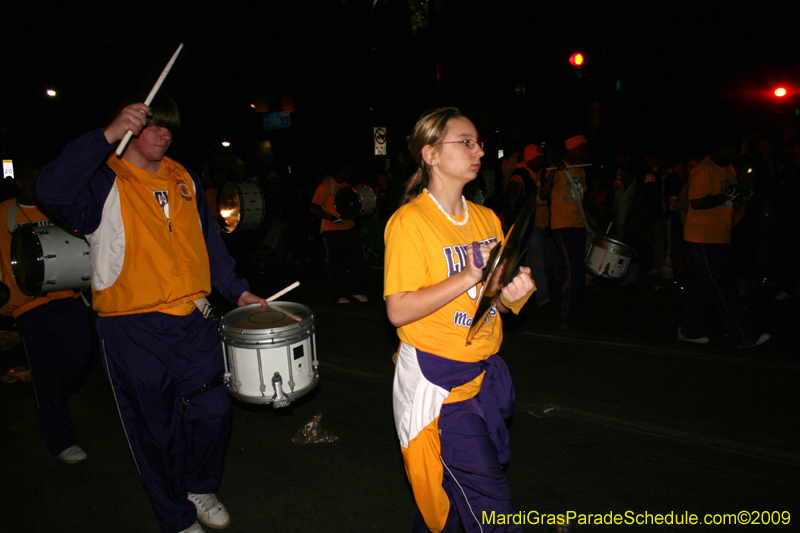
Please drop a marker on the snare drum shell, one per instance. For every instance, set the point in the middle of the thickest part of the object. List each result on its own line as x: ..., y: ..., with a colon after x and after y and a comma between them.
x: 253, y: 355
x: 608, y: 258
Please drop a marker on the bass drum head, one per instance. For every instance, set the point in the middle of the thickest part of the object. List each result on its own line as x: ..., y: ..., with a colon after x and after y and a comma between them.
x: 27, y: 261
x: 347, y: 203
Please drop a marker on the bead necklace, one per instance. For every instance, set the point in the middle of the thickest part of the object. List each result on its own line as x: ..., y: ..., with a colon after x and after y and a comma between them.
x: 451, y: 219
x: 477, y: 257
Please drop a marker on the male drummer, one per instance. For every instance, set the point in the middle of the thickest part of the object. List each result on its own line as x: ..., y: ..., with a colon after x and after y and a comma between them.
x: 569, y: 226
x: 713, y: 189
x: 342, y: 238
x: 155, y: 255
x: 54, y: 329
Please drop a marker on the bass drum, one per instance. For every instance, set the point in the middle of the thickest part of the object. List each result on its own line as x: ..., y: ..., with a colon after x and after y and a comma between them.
x: 270, y: 353
x: 367, y: 199
x: 240, y: 206
x: 48, y: 259
x: 355, y: 202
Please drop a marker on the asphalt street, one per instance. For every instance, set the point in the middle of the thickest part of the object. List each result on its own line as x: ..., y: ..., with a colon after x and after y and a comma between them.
x: 618, y: 417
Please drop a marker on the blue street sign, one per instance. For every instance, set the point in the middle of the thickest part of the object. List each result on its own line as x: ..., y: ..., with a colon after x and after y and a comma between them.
x: 274, y: 121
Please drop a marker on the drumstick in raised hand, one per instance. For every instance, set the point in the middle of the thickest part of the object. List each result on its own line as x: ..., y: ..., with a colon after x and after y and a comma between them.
x: 571, y: 166
x: 149, y: 99
x: 283, y: 291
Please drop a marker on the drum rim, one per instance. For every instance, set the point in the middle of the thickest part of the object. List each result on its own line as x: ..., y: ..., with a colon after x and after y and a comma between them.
x: 241, y: 334
x: 616, y: 246
x: 15, y: 268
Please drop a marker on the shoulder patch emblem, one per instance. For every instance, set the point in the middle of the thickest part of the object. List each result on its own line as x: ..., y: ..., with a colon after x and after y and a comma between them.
x: 184, y: 190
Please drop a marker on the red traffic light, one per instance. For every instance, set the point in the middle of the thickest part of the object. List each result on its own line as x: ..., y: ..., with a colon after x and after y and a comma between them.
x: 576, y: 59
x: 780, y: 92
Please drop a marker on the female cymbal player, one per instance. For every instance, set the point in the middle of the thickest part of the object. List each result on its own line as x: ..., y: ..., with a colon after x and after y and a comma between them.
x: 450, y: 399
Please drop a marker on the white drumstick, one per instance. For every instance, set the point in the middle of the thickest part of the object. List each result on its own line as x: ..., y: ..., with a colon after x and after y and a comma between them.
x: 149, y: 99
x: 284, y: 291
x: 570, y: 166
x: 609, y: 227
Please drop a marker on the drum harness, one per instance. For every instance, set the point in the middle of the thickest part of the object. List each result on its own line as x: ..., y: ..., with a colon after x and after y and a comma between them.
x: 577, y: 190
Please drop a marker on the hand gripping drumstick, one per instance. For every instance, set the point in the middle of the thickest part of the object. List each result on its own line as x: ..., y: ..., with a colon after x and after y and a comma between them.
x: 284, y: 291
x: 149, y: 99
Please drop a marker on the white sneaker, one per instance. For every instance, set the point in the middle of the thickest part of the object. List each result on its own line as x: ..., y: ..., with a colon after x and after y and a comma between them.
x: 361, y: 298
x: 761, y: 340
x: 210, y: 512
x: 194, y: 528
x: 73, y: 454
x: 342, y: 300
x: 698, y: 340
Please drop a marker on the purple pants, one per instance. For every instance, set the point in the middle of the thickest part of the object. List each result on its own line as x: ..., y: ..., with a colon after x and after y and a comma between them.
x: 344, y: 246
x: 151, y: 361
x: 474, y: 442
x: 572, y: 244
x: 58, y: 343
x: 473, y: 478
x: 710, y: 279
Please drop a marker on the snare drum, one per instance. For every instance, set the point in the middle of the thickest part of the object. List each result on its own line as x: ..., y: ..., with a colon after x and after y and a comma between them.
x: 48, y: 259
x: 608, y: 258
x: 240, y: 206
x: 270, y: 353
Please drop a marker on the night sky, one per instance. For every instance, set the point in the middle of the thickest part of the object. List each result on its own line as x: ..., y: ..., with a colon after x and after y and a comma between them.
x: 350, y: 65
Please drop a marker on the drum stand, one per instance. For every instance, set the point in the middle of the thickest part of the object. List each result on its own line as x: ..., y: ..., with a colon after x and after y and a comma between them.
x: 369, y: 252
x: 272, y: 243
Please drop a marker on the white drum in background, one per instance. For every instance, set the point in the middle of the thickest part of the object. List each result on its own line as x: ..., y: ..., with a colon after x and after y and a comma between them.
x: 48, y: 259
x: 355, y: 202
x: 608, y: 258
x: 270, y: 353
x: 368, y: 200
x: 240, y: 206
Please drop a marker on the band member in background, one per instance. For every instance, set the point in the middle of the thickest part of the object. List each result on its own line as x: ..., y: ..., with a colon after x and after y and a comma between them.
x: 342, y: 238
x: 54, y: 328
x: 713, y: 195
x: 155, y: 255
x: 569, y: 226
x: 524, y: 183
x: 450, y: 399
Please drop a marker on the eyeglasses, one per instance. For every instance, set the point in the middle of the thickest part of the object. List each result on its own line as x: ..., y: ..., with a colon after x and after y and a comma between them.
x: 469, y: 143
